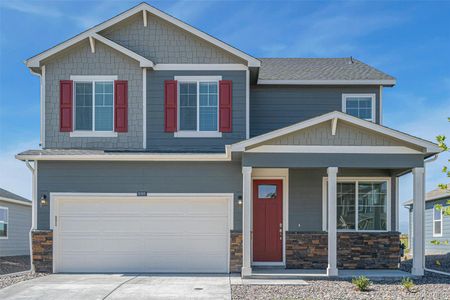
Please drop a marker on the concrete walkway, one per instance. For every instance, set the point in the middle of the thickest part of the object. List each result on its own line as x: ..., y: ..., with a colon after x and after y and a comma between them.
x: 116, y: 286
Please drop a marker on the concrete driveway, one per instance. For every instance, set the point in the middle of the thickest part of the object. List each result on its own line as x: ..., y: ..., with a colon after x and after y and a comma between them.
x: 120, y: 286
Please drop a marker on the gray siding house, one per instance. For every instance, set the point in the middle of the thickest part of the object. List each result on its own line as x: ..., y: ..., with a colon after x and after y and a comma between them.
x: 165, y: 149
x: 437, y: 224
x: 15, y: 224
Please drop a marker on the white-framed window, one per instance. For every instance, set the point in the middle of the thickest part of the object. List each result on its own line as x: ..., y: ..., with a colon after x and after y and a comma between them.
x: 198, y: 106
x: 93, y: 113
x: 359, y: 105
x: 363, y: 204
x: 3, y: 222
x: 437, y: 221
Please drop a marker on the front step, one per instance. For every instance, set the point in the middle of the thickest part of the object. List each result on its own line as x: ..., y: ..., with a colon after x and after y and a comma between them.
x: 281, y: 273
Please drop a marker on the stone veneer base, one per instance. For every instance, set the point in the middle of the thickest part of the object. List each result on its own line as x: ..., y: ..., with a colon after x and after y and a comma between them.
x: 42, y: 246
x: 355, y: 250
x: 235, y: 251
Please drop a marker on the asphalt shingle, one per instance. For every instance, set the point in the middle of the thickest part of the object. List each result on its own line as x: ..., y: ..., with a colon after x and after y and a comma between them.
x: 318, y: 69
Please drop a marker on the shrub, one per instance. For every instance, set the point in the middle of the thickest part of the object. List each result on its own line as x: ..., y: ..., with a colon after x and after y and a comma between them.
x: 362, y: 283
x: 408, y: 284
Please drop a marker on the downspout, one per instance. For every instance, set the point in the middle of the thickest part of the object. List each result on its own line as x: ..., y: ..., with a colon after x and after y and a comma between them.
x: 33, y: 208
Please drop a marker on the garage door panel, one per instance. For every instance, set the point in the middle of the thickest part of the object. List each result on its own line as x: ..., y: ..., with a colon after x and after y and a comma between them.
x: 134, y: 234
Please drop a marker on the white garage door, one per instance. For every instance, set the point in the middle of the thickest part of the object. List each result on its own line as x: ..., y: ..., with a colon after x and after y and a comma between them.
x: 141, y: 234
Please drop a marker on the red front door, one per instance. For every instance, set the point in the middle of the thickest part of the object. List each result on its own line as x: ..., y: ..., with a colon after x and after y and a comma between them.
x: 267, y: 220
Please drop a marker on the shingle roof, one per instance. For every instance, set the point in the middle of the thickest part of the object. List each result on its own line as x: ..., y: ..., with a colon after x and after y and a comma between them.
x: 8, y: 195
x: 435, y: 194
x: 318, y: 69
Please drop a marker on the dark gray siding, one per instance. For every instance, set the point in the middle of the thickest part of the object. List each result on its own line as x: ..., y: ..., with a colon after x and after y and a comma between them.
x: 305, y: 196
x: 158, y: 140
x: 311, y: 160
x: 273, y: 107
x: 130, y: 177
x: 19, y: 224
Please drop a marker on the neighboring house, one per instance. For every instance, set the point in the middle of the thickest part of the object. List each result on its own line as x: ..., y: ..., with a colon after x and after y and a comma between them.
x: 15, y: 224
x: 165, y: 149
x: 437, y: 224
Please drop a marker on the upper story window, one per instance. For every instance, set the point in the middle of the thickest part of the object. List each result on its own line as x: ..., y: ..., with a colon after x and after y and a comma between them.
x: 362, y: 205
x: 359, y: 105
x: 3, y: 222
x: 437, y: 221
x: 93, y: 113
x: 198, y: 106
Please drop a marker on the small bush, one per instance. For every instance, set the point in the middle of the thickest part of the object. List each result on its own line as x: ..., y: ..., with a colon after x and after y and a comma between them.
x: 362, y: 283
x: 408, y: 284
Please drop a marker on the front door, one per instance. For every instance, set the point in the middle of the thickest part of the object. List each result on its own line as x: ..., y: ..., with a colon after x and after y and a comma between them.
x: 267, y: 220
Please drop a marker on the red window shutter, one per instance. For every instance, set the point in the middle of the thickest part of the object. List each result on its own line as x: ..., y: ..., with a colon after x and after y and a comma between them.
x: 65, y: 105
x: 121, y: 106
x: 170, y: 105
x: 225, y: 105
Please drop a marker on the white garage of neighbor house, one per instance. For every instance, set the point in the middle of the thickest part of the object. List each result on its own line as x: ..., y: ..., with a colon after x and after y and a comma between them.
x: 130, y: 233
x: 15, y: 224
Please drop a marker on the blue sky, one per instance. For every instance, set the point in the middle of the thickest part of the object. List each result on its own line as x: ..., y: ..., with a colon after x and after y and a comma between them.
x: 409, y: 40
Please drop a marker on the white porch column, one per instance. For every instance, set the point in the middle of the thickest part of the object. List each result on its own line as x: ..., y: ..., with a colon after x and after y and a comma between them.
x: 418, y: 221
x: 332, y: 232
x: 246, y: 221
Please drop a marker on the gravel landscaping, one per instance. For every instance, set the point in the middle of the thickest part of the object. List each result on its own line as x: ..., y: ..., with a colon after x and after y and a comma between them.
x: 10, y: 279
x: 13, y: 264
x: 431, y: 286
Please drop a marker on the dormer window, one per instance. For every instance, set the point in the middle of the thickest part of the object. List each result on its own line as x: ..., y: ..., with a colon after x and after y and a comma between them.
x: 359, y: 105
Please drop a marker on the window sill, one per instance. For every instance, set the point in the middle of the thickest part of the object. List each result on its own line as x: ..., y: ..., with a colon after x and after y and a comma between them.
x: 3, y: 237
x: 93, y: 134
x: 197, y: 134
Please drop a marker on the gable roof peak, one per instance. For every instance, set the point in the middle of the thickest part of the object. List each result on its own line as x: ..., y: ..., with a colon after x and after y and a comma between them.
x: 34, y: 62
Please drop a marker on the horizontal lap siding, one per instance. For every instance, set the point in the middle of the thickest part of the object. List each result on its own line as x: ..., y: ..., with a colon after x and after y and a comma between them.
x: 429, y: 247
x: 305, y: 196
x: 130, y: 177
x: 274, y: 107
x: 159, y: 140
x: 19, y: 224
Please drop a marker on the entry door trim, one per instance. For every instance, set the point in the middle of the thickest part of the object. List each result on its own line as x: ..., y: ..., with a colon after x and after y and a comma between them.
x: 274, y: 173
x: 55, y: 196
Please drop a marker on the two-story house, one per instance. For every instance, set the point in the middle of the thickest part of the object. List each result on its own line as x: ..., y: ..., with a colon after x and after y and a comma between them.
x: 165, y: 149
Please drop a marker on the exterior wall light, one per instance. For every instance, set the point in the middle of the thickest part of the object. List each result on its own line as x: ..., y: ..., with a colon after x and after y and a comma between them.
x: 43, y: 201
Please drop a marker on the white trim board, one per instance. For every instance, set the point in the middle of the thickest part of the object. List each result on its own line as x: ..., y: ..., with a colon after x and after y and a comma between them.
x: 15, y: 201
x: 333, y: 149
x: 277, y: 174
x: 434, y: 234
x: 429, y: 146
x: 7, y: 223
x: 35, y: 60
x: 200, y: 67
x: 357, y: 179
x: 372, y: 96
x: 131, y: 157
x: 386, y: 82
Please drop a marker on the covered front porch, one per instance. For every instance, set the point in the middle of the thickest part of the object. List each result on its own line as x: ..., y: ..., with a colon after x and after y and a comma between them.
x: 321, y: 199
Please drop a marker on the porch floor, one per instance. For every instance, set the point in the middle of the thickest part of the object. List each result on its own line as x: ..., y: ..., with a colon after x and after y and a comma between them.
x: 280, y: 273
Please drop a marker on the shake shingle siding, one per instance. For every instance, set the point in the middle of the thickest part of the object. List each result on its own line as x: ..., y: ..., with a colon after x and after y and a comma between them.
x: 105, y: 61
x: 164, y: 43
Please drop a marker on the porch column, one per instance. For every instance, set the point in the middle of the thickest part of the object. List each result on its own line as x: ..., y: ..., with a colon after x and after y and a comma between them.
x: 418, y: 221
x: 332, y: 231
x: 246, y: 221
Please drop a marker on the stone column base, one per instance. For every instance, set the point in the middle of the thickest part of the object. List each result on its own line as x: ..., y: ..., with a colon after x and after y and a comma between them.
x: 42, y: 246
